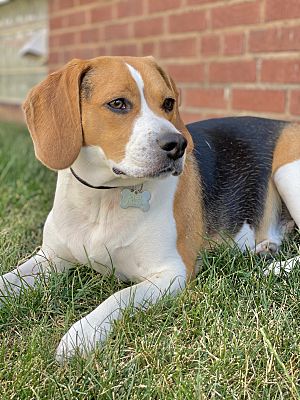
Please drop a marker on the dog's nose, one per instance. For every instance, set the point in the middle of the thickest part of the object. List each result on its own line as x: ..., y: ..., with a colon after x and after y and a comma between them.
x: 173, y: 143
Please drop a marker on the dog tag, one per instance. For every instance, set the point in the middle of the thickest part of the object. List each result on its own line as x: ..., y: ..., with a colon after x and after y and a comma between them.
x: 135, y: 198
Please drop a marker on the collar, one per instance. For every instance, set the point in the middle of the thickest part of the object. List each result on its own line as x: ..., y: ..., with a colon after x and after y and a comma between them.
x: 130, y: 196
x: 85, y: 183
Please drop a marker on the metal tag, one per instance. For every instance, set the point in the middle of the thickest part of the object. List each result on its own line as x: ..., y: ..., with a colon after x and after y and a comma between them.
x: 135, y: 198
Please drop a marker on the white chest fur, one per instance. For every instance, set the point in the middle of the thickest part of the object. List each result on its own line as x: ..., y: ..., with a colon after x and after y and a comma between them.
x: 94, y: 228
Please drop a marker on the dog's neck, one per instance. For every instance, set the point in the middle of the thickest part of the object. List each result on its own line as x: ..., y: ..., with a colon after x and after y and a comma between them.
x: 91, y: 178
x: 87, y: 184
x: 80, y: 201
x: 91, y: 167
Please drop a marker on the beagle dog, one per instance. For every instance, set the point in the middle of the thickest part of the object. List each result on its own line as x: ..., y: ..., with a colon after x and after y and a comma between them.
x: 139, y: 194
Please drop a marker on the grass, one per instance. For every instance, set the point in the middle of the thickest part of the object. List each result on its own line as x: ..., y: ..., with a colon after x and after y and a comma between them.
x: 232, y: 334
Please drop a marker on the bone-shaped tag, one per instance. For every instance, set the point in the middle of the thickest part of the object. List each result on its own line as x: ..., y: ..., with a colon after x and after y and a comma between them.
x: 133, y: 198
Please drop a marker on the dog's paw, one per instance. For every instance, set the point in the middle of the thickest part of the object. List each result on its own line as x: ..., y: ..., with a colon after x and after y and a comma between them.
x: 80, y: 339
x: 266, y: 248
x: 278, y: 267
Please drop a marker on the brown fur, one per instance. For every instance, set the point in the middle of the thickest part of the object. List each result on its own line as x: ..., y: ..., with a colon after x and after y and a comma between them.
x: 271, y: 212
x: 158, y: 86
x: 288, y: 147
x: 102, y: 127
x: 63, y: 115
x: 59, y: 124
x: 188, y: 216
x: 52, y: 114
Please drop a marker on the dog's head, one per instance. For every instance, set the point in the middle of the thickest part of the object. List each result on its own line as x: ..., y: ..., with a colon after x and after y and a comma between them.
x: 124, y: 108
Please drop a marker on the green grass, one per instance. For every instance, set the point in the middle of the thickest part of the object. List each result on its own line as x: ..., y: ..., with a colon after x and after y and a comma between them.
x: 232, y: 334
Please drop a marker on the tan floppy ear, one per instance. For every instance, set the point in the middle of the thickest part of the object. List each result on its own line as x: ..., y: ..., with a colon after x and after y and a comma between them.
x: 178, y: 121
x: 52, y: 112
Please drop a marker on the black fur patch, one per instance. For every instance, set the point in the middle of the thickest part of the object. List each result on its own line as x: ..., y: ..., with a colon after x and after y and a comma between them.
x: 234, y: 157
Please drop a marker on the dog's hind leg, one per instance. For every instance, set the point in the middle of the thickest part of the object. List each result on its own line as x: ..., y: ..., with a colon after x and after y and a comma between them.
x: 287, y: 181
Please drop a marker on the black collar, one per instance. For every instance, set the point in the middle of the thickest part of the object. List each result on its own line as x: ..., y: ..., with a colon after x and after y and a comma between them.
x: 88, y: 184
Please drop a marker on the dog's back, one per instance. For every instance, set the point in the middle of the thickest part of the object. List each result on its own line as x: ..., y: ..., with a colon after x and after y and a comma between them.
x: 234, y: 156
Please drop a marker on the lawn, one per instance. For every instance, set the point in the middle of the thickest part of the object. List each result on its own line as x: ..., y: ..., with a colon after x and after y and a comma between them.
x: 232, y: 334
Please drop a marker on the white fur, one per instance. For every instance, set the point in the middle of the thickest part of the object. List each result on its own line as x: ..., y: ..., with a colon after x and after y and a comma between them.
x: 143, y: 155
x: 90, y: 224
x: 287, y: 181
x: 277, y: 267
x: 274, y: 239
x: 245, y: 238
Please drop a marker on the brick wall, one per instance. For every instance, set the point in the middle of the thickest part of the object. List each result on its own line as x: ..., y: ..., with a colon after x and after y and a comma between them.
x: 19, y: 21
x: 229, y: 57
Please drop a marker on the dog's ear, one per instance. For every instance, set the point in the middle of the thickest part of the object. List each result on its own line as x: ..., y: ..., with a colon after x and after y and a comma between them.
x: 179, y: 124
x: 52, y: 111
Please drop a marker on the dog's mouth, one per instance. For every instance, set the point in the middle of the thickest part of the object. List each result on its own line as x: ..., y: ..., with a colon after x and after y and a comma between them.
x: 164, y: 172
x: 118, y: 171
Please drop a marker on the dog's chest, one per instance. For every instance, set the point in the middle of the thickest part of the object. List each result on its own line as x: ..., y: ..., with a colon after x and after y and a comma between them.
x: 97, y: 230
x: 105, y: 233
x: 111, y: 238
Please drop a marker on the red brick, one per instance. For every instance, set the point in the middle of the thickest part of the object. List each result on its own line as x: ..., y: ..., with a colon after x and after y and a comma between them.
x: 89, y: 35
x: 282, y: 9
x: 295, y: 102
x: 124, y: 50
x: 78, y: 18
x: 210, y: 45
x: 117, y: 31
x: 127, y: 8
x: 275, y: 39
x: 148, y: 48
x: 234, y: 44
x: 56, y: 5
x: 56, y: 23
x: 238, y: 14
x: 280, y: 71
x: 87, y: 1
x: 52, y: 7
x: 103, y: 13
x: 67, y: 55
x: 53, y: 40
x: 54, y: 57
x: 189, y: 117
x: 86, y: 53
x: 263, y: 100
x: 156, y: 6
x: 187, y: 22
x: 187, y: 72
x: 217, y: 114
x: 177, y: 48
x: 207, y: 98
x: 148, y: 27
x: 82, y: 53
x: 234, y: 71
x: 101, y: 51
x: 199, y: 2
x: 66, y: 38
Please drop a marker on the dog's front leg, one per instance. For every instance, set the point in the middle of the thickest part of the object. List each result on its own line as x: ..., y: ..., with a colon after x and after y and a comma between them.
x: 26, y: 274
x: 83, y: 336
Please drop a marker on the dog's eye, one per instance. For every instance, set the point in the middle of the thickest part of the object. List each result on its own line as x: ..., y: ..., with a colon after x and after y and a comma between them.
x: 119, y: 105
x: 168, y: 104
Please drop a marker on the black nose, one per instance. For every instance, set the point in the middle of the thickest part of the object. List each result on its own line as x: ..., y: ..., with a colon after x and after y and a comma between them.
x: 173, y: 143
